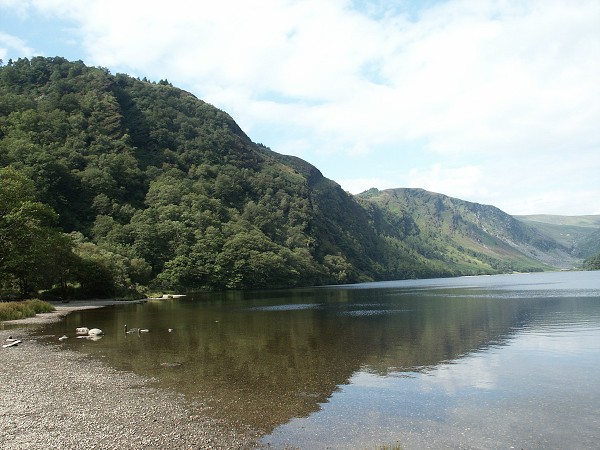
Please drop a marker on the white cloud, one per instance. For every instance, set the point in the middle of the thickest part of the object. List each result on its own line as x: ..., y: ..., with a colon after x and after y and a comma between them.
x: 460, y: 182
x: 468, y: 76
x: 9, y: 43
x: 555, y: 201
x: 467, y: 82
x: 18, y: 6
x: 358, y: 185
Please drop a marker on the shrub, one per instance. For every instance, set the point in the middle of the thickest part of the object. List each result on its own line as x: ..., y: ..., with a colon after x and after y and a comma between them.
x: 40, y: 306
x: 24, y: 309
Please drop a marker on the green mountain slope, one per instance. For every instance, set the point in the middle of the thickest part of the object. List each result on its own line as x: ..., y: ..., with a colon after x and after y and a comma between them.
x: 464, y: 235
x: 580, y: 233
x: 158, y: 187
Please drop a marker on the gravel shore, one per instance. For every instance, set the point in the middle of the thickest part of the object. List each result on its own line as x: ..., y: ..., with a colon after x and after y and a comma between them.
x: 53, y: 398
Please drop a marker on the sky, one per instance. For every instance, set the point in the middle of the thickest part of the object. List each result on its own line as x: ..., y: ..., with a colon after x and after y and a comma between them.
x: 490, y: 101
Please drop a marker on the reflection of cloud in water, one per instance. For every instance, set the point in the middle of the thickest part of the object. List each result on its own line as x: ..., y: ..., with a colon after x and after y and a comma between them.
x: 367, y: 379
x: 473, y: 372
x: 292, y: 307
x: 513, y: 294
x: 369, y: 305
x: 566, y: 340
x: 372, y: 312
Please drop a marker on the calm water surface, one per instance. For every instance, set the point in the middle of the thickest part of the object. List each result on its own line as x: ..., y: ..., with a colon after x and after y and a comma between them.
x: 477, y: 362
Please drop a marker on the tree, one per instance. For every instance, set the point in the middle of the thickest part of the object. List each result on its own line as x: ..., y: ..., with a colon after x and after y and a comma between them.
x: 249, y: 259
x: 592, y: 263
x: 28, y: 241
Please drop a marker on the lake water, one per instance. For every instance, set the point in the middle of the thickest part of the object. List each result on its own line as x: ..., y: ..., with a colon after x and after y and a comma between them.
x: 507, y: 361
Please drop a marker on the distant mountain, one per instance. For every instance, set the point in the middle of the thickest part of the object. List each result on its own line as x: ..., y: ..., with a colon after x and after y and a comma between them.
x: 467, y: 235
x: 159, y: 188
x: 589, y: 221
x: 579, y: 233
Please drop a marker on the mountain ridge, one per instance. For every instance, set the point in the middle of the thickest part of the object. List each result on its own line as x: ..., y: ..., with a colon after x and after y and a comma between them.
x: 580, y: 233
x: 483, y: 231
x: 158, y: 187
x: 586, y: 220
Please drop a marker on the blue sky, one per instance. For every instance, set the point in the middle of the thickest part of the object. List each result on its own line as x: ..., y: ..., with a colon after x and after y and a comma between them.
x: 491, y: 101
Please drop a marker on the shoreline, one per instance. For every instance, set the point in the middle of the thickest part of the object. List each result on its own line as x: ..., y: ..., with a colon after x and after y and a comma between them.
x: 56, y: 398
x: 63, y: 309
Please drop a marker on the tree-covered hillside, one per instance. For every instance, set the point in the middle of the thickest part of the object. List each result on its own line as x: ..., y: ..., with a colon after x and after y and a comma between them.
x: 146, y: 172
x: 154, y: 187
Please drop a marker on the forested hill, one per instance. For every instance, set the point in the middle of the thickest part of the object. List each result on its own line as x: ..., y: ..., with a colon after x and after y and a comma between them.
x: 156, y: 187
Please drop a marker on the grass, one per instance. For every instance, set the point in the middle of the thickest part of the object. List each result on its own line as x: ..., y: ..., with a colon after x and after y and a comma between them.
x: 24, y: 309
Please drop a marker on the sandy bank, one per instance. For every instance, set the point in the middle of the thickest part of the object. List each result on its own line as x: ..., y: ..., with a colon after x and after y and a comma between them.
x: 53, y: 398
x: 62, y: 309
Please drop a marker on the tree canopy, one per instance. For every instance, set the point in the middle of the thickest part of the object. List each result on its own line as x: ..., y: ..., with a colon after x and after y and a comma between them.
x: 149, y: 173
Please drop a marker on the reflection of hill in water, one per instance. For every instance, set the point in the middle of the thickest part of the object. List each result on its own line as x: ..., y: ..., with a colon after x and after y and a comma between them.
x: 263, y: 363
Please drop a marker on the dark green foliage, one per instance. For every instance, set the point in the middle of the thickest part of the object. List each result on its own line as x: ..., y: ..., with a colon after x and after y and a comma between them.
x: 592, y: 263
x: 148, y: 172
x: 165, y: 189
x: 31, y: 249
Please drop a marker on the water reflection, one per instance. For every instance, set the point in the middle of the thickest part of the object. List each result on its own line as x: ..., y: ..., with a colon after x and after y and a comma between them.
x: 265, y: 358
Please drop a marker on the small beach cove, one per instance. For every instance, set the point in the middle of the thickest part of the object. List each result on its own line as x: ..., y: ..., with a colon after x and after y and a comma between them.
x: 56, y: 398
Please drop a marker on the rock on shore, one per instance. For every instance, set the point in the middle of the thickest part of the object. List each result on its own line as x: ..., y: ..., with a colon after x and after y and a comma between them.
x: 54, y: 398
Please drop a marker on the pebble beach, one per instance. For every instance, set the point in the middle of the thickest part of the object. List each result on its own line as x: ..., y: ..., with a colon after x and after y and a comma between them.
x: 56, y: 398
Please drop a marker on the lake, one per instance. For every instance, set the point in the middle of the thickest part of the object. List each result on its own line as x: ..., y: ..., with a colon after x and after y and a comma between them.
x: 506, y: 361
